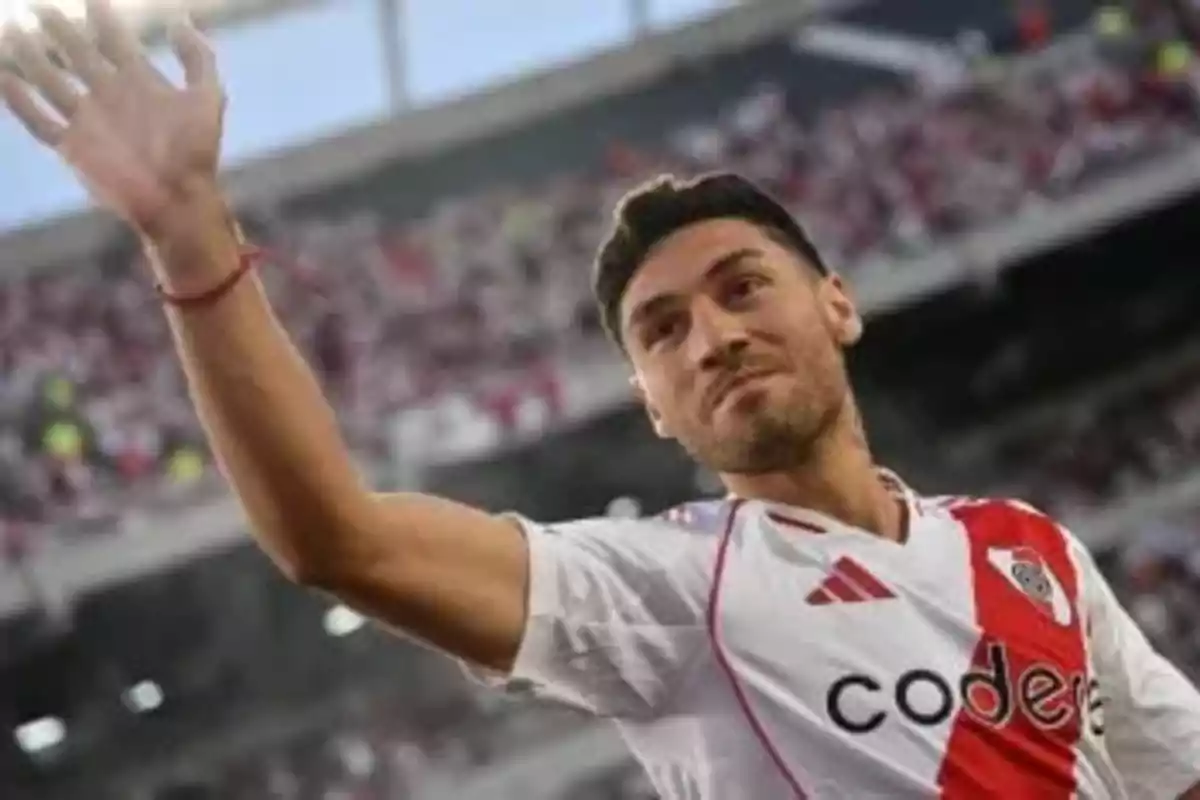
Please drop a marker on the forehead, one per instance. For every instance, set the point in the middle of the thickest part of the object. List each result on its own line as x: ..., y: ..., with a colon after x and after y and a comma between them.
x: 680, y: 261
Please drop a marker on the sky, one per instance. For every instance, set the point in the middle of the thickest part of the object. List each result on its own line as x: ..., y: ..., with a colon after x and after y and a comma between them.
x: 308, y: 73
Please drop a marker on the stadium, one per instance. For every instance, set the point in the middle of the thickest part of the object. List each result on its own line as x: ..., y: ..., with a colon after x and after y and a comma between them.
x: 1010, y: 187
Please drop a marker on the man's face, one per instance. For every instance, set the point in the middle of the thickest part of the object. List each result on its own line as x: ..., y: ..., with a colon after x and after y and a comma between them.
x: 736, y: 343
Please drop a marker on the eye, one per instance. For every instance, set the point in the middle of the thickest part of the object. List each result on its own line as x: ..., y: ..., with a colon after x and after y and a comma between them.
x: 666, y: 328
x: 744, y: 287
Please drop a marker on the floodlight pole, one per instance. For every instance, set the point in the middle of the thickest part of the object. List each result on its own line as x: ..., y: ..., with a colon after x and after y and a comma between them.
x: 639, y: 17
x: 394, y: 38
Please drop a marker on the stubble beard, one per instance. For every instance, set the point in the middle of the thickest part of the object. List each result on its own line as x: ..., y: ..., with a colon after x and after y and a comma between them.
x: 772, y: 440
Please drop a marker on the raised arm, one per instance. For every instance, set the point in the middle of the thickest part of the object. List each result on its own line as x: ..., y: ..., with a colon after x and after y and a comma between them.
x: 148, y: 151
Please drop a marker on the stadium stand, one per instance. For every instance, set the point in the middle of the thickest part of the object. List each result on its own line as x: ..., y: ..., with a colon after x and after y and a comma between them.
x: 469, y: 293
x: 1070, y: 380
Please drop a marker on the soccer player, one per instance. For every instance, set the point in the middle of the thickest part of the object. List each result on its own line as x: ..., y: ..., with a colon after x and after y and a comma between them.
x: 822, y: 633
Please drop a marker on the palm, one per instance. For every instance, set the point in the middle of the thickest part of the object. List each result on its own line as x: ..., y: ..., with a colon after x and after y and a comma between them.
x: 131, y: 166
x: 134, y: 139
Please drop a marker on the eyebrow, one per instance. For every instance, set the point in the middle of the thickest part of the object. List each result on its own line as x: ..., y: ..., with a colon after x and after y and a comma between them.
x: 649, y: 307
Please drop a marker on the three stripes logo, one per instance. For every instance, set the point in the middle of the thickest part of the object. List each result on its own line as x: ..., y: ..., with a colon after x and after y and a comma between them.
x: 848, y: 582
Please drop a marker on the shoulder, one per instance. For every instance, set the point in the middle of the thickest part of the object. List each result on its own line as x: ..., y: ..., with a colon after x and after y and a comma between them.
x: 1000, y: 509
x: 1006, y: 524
x: 689, y: 528
x: 711, y: 516
x: 1030, y: 549
x: 1005, y: 519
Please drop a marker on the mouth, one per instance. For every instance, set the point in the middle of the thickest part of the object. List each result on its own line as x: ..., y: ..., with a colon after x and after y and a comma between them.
x: 731, y: 386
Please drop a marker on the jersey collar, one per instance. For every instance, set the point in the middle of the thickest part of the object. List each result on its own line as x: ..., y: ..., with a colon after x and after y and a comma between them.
x: 807, y: 519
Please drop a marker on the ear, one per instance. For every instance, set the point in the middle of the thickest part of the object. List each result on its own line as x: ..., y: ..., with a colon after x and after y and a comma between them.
x: 652, y: 414
x: 842, y: 315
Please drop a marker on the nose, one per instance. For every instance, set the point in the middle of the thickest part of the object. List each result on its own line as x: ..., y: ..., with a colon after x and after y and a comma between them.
x: 717, y: 336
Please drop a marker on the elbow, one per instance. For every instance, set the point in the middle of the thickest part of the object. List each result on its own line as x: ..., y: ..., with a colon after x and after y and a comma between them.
x: 294, y: 563
x: 301, y: 572
x: 325, y: 568
x: 316, y: 572
x: 323, y: 555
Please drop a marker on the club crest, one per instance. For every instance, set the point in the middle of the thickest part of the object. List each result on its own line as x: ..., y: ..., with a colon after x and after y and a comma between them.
x: 1025, y: 569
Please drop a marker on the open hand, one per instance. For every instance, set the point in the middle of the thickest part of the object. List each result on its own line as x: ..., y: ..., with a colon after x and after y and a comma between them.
x: 137, y: 142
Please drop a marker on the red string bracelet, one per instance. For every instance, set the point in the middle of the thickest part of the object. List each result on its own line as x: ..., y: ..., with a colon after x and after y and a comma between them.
x: 249, y: 258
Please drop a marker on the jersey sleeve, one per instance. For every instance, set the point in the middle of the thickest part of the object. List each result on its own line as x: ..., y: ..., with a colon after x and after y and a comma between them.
x: 615, y: 613
x: 1151, y: 712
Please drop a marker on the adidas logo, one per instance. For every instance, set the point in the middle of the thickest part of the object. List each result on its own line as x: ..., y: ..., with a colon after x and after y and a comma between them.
x: 848, y: 582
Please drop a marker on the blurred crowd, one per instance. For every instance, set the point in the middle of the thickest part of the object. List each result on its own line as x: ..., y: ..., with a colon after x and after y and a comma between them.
x: 483, y: 298
x: 383, y: 750
x: 1156, y: 574
x: 1086, y: 454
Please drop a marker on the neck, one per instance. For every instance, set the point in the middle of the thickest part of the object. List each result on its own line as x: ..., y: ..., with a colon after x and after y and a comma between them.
x: 839, y: 479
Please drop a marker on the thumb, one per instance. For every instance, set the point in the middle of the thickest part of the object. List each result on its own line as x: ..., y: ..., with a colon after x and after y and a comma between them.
x: 194, y: 53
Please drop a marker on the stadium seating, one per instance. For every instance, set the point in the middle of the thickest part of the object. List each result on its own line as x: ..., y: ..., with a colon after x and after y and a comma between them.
x: 486, y: 292
x: 1087, y: 455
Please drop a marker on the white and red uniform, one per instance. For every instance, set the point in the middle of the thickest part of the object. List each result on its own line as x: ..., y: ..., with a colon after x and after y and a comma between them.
x: 750, y: 650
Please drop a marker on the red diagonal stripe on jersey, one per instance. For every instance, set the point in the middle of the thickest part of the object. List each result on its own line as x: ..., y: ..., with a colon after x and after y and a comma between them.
x: 1014, y: 756
x: 859, y: 576
x: 840, y: 588
x: 819, y: 597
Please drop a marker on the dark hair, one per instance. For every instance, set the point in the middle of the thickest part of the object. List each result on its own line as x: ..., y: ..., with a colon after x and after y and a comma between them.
x: 660, y: 207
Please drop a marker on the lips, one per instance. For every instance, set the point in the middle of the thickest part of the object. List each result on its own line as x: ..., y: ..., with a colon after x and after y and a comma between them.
x: 728, y: 385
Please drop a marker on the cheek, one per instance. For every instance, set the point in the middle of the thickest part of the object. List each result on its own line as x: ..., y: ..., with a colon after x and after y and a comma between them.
x: 666, y: 390
x: 812, y: 355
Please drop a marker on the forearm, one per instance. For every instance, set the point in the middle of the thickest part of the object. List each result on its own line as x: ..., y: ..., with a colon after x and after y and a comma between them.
x: 273, y: 433
x: 451, y: 575
x: 148, y: 150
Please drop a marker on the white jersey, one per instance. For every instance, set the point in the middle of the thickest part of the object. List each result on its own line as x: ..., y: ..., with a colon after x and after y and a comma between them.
x: 750, y: 650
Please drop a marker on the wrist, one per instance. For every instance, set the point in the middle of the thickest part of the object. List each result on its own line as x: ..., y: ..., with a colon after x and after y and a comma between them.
x: 194, y: 209
x: 194, y: 242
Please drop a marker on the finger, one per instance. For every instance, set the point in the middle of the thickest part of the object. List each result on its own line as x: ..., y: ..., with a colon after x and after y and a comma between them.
x: 194, y: 53
x: 20, y: 101
x: 35, y: 66
x: 114, y: 37
x: 82, y: 56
